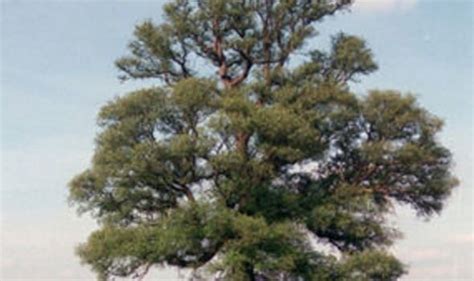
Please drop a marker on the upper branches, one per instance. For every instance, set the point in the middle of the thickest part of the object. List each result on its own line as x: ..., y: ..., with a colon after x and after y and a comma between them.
x: 156, y: 52
x: 232, y: 35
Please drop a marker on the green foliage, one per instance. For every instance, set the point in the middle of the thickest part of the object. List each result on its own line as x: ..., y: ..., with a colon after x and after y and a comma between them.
x: 239, y: 176
x: 371, y: 265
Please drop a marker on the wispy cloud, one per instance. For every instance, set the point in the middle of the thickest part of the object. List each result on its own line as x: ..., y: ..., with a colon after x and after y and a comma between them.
x: 463, y: 239
x: 44, y: 249
x: 30, y: 246
x: 383, y: 5
x: 427, y: 254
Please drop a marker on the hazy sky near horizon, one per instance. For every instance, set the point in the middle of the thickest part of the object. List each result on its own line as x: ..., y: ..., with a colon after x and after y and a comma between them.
x: 57, y: 70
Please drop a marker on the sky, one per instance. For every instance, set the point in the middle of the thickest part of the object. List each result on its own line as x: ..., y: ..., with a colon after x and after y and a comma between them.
x: 57, y: 70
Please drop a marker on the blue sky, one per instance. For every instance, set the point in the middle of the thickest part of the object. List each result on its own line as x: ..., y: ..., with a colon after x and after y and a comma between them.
x: 57, y: 70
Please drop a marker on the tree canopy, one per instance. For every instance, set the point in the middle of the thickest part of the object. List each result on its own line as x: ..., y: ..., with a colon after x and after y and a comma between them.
x: 239, y: 166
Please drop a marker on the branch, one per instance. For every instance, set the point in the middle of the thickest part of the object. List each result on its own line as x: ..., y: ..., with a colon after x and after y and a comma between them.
x: 248, y: 66
x: 142, y: 274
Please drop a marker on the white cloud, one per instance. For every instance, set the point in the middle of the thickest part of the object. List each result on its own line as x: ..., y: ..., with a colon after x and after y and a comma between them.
x: 43, y: 249
x: 383, y: 5
x: 427, y: 254
x: 464, y: 239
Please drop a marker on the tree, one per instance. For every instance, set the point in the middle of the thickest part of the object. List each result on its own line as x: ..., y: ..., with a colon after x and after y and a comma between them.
x: 237, y: 165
